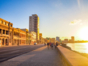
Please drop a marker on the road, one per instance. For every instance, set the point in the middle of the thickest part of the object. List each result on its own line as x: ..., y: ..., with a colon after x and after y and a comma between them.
x: 42, y: 56
x: 10, y: 52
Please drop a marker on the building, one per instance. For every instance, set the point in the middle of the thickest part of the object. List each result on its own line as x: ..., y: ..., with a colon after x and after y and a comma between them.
x: 45, y: 40
x: 12, y: 36
x: 40, y: 38
x: 72, y: 38
x: 19, y: 36
x: 53, y: 40
x: 57, y: 39
x: 27, y: 36
x: 32, y: 37
x: 34, y: 25
x: 48, y: 39
x: 5, y: 32
x: 65, y: 41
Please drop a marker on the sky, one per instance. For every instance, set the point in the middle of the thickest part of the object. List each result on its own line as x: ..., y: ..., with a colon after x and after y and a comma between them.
x: 62, y: 18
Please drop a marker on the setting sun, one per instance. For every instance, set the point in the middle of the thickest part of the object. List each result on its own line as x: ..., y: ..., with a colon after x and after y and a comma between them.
x: 83, y: 34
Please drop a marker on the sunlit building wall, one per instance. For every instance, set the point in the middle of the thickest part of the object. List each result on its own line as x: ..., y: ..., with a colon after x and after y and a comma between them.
x: 19, y: 36
x: 27, y: 36
x: 40, y: 37
x: 32, y: 37
x: 52, y: 40
x: 12, y: 36
x: 5, y: 32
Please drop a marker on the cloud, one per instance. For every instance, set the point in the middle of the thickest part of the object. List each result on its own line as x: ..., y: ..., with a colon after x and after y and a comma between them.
x: 76, y: 22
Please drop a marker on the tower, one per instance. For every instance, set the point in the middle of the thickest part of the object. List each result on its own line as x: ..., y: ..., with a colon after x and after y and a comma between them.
x: 34, y: 25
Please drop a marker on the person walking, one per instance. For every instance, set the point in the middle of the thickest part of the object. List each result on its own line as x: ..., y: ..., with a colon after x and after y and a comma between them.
x: 48, y: 45
x: 52, y: 45
x: 56, y: 44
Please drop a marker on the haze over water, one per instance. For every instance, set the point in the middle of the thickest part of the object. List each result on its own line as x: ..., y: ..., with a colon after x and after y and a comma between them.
x: 79, y: 47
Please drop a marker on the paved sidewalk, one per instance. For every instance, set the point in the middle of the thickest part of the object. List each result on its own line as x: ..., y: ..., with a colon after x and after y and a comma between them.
x: 39, y: 57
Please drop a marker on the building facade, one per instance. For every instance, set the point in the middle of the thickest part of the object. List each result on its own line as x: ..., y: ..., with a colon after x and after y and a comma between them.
x: 19, y: 36
x: 72, y: 38
x: 34, y: 25
x: 12, y: 36
x: 5, y: 32
x: 65, y: 41
x: 57, y: 38
x: 27, y: 36
x: 40, y: 38
x: 32, y: 37
x: 53, y: 40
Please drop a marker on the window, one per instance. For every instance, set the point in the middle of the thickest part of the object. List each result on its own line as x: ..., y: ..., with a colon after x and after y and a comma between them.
x: 10, y: 25
x: 0, y: 31
x: 2, y: 41
x: 6, y: 32
x: 3, y: 31
x: 7, y: 24
x: 1, y: 21
x: 4, y: 23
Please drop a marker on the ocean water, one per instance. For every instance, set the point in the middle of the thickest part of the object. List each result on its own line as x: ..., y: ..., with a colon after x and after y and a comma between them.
x: 79, y: 47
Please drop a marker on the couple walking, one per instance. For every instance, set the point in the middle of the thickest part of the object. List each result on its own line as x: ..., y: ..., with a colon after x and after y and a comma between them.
x: 50, y: 45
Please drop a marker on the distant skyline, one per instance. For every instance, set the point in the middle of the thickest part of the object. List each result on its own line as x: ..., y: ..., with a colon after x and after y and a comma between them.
x: 62, y: 18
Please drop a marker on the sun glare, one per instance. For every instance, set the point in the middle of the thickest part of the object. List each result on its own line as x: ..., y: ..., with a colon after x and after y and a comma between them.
x: 86, y: 46
x: 83, y: 34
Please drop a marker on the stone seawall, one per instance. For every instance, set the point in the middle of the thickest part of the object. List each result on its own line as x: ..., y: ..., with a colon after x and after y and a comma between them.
x: 70, y: 58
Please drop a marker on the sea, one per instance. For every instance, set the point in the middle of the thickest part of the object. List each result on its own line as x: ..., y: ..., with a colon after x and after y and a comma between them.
x: 79, y: 47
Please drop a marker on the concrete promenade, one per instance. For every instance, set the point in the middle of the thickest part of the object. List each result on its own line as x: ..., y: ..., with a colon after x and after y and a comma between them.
x: 39, y: 57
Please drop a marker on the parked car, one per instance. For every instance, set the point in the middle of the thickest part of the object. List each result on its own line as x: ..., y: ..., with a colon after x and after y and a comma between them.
x: 35, y: 43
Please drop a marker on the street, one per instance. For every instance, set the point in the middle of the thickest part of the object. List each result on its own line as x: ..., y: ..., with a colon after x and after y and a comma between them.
x: 39, y: 57
x: 10, y: 52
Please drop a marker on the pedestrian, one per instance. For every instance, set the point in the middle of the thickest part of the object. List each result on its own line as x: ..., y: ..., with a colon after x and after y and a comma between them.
x: 48, y: 45
x: 56, y: 44
x: 52, y: 45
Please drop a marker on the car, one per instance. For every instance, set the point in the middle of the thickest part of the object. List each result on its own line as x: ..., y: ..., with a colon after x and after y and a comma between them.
x: 35, y: 43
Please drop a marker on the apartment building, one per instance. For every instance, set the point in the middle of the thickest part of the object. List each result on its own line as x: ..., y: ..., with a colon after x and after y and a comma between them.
x: 27, y: 36
x: 5, y: 32
x: 32, y: 37
x: 12, y: 36
x: 34, y: 25
x: 19, y: 36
